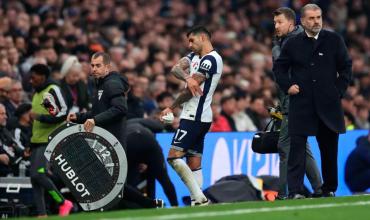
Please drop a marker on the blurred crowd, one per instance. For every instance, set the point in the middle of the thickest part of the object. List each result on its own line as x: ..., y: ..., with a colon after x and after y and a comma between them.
x: 145, y: 38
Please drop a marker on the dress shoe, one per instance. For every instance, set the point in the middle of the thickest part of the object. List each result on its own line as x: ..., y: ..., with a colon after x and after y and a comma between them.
x: 317, y: 194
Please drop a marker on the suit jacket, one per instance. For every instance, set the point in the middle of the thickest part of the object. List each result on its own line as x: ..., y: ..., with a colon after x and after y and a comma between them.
x: 322, y: 70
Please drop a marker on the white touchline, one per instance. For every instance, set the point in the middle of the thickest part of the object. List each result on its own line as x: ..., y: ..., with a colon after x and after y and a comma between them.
x: 241, y: 211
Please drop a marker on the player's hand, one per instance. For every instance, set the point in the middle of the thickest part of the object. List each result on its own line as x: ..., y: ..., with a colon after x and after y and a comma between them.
x: 194, y: 87
x: 89, y: 125
x: 293, y: 90
x: 71, y: 117
x: 165, y: 112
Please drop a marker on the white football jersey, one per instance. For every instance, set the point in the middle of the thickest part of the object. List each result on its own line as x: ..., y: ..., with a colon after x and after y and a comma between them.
x: 198, y: 108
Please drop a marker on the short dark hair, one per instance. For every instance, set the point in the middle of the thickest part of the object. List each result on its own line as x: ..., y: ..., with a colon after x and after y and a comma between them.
x: 226, y: 99
x: 199, y: 30
x: 40, y: 69
x: 22, y: 109
x: 106, y: 57
x: 164, y: 95
x: 349, y: 116
x: 287, y: 12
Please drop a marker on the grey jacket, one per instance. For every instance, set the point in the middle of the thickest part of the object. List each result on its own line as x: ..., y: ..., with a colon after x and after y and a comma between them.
x: 276, y: 49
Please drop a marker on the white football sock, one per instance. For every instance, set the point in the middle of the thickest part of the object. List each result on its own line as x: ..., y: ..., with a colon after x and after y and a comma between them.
x: 188, y: 178
x: 198, y: 175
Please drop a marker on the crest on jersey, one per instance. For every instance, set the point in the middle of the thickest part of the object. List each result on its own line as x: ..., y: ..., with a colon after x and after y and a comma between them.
x: 195, y: 65
x: 93, y: 165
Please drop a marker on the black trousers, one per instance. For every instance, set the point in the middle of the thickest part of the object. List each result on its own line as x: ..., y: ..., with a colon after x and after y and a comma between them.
x: 328, y: 145
x: 40, y: 181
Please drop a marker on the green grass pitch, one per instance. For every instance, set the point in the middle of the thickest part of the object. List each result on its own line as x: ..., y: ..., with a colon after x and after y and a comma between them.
x: 349, y: 207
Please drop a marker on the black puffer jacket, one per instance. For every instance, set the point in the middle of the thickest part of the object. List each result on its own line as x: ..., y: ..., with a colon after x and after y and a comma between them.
x: 109, y: 105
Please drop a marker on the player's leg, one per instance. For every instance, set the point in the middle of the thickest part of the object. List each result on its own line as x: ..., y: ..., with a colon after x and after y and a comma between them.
x: 312, y: 172
x: 39, y: 179
x: 194, y: 155
x: 194, y: 162
x: 182, y: 169
x: 183, y: 138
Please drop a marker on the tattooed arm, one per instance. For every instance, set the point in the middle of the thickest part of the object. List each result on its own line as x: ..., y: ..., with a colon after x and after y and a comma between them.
x: 185, y: 95
x: 182, y: 71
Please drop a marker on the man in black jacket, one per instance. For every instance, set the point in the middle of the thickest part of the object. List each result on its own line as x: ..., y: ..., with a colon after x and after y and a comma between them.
x: 320, y: 71
x: 109, y: 107
x: 109, y: 111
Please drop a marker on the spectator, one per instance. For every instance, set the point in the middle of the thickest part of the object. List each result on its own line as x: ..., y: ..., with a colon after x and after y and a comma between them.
x: 362, y: 120
x: 74, y: 89
x: 135, y: 98
x: 357, y: 168
x: 12, y: 150
x: 165, y: 100
x: 349, y: 121
x: 16, y: 97
x: 242, y: 121
x: 219, y: 122
x: 21, y: 125
x: 5, y: 84
x: 257, y: 112
x: 4, y: 156
x: 228, y: 108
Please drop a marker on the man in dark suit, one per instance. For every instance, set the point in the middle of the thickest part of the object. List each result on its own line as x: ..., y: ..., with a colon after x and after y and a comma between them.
x: 320, y: 73
x: 285, y: 28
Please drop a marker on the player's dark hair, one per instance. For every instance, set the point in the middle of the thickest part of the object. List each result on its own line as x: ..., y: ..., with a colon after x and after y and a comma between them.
x: 199, y: 30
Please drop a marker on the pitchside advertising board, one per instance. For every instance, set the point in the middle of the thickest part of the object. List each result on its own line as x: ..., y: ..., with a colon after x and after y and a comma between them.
x: 231, y: 153
x: 93, y: 165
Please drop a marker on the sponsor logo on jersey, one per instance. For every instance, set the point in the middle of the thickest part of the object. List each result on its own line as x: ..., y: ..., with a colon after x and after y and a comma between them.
x: 206, y: 65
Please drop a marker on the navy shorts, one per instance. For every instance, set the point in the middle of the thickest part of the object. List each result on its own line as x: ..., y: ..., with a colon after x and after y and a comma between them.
x: 189, y: 137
